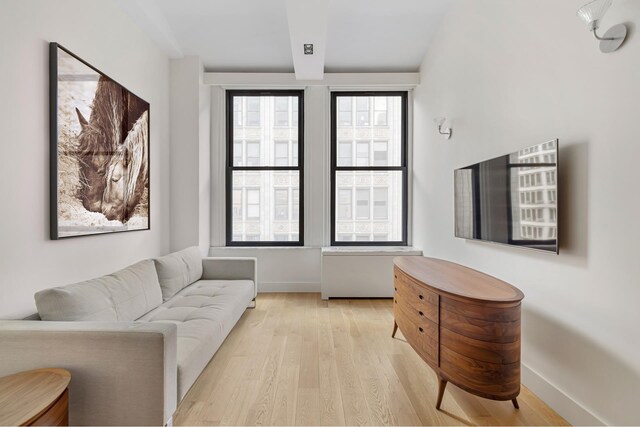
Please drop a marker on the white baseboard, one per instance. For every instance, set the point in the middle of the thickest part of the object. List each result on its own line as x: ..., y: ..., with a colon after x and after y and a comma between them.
x: 305, y: 287
x: 564, y: 405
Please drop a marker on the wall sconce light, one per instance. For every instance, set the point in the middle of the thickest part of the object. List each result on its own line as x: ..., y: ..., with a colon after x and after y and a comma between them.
x: 446, y: 131
x: 592, y: 13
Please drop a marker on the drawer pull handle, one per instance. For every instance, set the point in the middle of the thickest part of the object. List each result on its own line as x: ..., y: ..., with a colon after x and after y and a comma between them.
x: 396, y: 289
x: 420, y: 296
x: 421, y: 313
x: 395, y: 300
x: 421, y: 330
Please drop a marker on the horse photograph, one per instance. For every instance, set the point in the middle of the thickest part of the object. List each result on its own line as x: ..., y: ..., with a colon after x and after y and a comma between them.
x: 99, y: 151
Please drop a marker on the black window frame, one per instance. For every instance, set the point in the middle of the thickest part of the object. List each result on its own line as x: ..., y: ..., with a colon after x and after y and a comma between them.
x: 230, y: 167
x: 404, y: 95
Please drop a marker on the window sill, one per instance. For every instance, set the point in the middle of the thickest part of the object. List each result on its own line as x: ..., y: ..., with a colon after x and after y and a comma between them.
x: 370, y: 251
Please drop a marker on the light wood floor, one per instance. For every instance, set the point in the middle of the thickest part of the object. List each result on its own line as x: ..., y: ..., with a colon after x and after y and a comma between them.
x: 299, y: 360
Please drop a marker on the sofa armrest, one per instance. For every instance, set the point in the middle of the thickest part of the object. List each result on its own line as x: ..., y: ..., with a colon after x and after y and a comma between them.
x: 122, y: 373
x: 231, y: 269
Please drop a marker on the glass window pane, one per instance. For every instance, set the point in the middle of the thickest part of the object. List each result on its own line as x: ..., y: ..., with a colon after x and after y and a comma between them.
x: 282, y: 204
x: 282, y: 103
x: 266, y: 120
x: 267, y: 204
x: 344, y: 153
x: 362, y: 203
x: 253, y: 153
x: 362, y: 153
x: 380, y: 196
x: 344, y: 203
x: 237, y: 153
x: 282, y: 153
x: 378, y: 202
x: 282, y: 118
x: 385, y: 139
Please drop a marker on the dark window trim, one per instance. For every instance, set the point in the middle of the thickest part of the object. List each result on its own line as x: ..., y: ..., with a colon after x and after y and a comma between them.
x: 230, y: 168
x: 403, y: 166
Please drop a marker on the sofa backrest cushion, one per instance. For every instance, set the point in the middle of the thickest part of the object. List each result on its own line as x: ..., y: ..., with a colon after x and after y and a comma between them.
x: 178, y: 270
x: 124, y: 295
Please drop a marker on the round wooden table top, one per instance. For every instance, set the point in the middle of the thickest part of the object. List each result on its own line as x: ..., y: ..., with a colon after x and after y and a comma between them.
x: 26, y: 395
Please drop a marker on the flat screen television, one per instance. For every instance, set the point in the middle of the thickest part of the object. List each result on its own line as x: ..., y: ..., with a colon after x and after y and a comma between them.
x: 512, y: 199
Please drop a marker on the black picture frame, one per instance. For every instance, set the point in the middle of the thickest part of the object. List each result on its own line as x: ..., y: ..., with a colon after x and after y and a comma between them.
x: 125, y: 164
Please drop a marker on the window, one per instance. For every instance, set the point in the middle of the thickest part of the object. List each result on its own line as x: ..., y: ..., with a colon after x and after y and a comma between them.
x: 237, y: 204
x: 344, y: 203
x: 253, y: 203
x: 252, y: 118
x: 282, y: 111
x: 362, y: 203
x: 237, y: 153
x: 281, y: 153
x: 264, y: 174
x: 380, y: 111
x: 281, y: 198
x: 253, y: 153
x: 380, y: 203
x: 344, y: 111
x: 368, y: 176
x: 362, y: 111
x: 362, y: 153
x: 380, y: 153
x: 344, y: 153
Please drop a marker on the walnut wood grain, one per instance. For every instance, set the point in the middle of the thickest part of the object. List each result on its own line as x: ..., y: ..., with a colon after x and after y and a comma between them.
x: 417, y: 337
x: 420, y: 313
x: 495, y: 313
x: 463, y: 323
x: 57, y: 415
x: 483, y: 330
x: 37, y: 397
x: 485, y: 351
x: 457, y: 281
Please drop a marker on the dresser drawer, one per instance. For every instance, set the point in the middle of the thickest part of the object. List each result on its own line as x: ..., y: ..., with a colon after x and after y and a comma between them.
x: 419, y: 309
x: 485, y: 351
x: 414, y: 293
x: 419, y: 336
x: 483, y: 330
x: 494, y: 313
x: 497, y: 380
x: 413, y: 315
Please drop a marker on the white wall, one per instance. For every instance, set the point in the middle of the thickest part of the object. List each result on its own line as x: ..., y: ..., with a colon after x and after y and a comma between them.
x: 102, y: 35
x: 516, y: 73
x: 190, y: 147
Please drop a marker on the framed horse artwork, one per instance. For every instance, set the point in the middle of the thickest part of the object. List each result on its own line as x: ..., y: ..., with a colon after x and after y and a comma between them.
x: 99, y: 151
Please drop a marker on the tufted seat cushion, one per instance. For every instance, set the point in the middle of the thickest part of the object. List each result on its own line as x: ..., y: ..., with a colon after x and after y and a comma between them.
x: 204, y: 314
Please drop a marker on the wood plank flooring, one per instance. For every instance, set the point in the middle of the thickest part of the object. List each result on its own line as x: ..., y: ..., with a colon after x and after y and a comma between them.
x: 298, y: 360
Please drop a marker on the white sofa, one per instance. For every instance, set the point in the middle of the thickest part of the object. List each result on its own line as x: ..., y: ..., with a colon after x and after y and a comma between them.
x: 136, y: 340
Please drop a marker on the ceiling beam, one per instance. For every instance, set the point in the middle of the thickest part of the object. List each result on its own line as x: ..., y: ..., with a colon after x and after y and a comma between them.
x: 308, y: 25
x: 329, y: 79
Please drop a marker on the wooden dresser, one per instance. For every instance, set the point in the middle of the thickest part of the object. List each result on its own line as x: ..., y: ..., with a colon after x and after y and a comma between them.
x: 463, y: 323
x: 38, y: 397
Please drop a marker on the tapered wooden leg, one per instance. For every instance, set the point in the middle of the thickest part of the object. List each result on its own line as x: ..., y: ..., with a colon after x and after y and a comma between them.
x: 395, y: 328
x: 442, y: 385
x: 515, y: 403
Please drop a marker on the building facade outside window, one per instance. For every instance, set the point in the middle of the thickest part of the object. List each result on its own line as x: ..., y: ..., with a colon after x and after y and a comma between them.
x: 369, y: 168
x: 264, y: 181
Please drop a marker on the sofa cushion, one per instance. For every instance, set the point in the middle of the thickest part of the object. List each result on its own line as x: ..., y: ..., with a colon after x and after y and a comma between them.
x: 124, y: 295
x: 204, y: 314
x: 178, y: 270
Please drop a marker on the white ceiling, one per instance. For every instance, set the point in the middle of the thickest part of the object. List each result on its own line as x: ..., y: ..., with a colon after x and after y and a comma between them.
x: 254, y: 35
